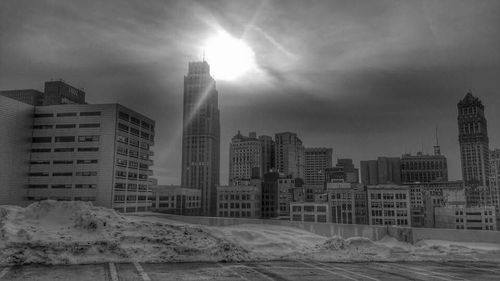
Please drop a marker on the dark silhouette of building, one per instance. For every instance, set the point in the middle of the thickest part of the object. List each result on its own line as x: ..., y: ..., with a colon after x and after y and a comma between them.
x: 28, y: 96
x: 58, y: 92
x: 384, y: 170
x: 201, y: 135
x: 267, y: 143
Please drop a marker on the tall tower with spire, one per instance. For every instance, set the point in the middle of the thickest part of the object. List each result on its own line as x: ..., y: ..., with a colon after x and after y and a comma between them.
x: 473, y: 139
x: 201, y: 135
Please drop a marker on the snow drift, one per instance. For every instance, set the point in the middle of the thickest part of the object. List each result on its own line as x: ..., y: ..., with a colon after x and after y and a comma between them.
x: 51, y: 232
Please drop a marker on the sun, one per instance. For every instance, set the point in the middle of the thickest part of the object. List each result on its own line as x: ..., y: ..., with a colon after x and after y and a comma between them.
x: 229, y: 57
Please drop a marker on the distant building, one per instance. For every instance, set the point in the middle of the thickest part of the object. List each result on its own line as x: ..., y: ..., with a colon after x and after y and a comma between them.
x: 16, y: 121
x: 384, y: 170
x: 267, y: 148
x: 423, y: 168
x: 241, y: 201
x: 317, y: 160
x: 278, y: 191
x: 58, y: 92
x: 201, y: 135
x: 28, y: 96
x: 289, y: 155
x: 495, y: 180
x: 389, y: 205
x: 474, y: 142
x: 348, y: 205
x: 462, y: 217
x: 344, y: 170
x: 176, y: 200
x: 309, y: 212
x: 245, y: 158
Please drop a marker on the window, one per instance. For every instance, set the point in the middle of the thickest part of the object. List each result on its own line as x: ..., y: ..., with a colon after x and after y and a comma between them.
x: 119, y: 186
x: 64, y: 139
x: 87, y: 149
x: 145, y: 135
x: 40, y: 162
x: 122, y: 139
x: 67, y: 149
x: 134, y: 142
x: 132, y: 175
x: 42, y: 127
x: 90, y: 161
x: 123, y: 116
x: 88, y: 138
x: 86, y: 174
x: 41, y: 139
x: 88, y: 186
x: 43, y: 115
x: 134, y: 153
x: 122, y: 150
x: 64, y: 174
x: 65, y: 126
x: 66, y: 114
x: 61, y: 186
x: 90, y: 125
x: 134, y: 132
x: 38, y: 186
x: 122, y: 127
x: 38, y: 150
x: 121, y: 174
x: 135, y: 120
x: 56, y: 162
x: 145, y: 125
x: 39, y: 174
x: 90, y: 113
x: 133, y: 164
x: 144, y: 145
x: 121, y: 162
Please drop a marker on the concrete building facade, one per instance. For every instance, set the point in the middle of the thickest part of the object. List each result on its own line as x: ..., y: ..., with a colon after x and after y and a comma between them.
x: 245, y: 158
x: 267, y: 149
x: 201, y: 135
x: 310, y: 212
x: 389, y: 205
x: 348, y: 205
x: 241, y: 201
x: 384, y: 170
x: 423, y: 168
x: 317, y: 160
x: 176, y: 200
x: 289, y: 155
x: 462, y: 217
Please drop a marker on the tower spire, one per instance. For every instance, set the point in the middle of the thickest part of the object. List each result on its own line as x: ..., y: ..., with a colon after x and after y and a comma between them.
x: 437, y: 148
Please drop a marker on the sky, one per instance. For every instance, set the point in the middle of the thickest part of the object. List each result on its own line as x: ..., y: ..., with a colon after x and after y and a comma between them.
x: 366, y: 78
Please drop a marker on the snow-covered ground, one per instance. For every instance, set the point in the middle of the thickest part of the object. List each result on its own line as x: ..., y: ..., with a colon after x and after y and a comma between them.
x: 52, y: 232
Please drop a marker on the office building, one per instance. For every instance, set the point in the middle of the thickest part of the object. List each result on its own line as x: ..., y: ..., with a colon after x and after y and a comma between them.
x: 495, y: 179
x: 245, y: 158
x: 462, y: 217
x: 384, y: 170
x: 317, y: 160
x: 348, y: 205
x: 423, y: 168
x: 473, y: 139
x: 28, y: 96
x: 278, y: 191
x: 240, y: 201
x: 289, y: 155
x: 16, y: 120
x: 389, y: 205
x: 99, y: 153
x: 344, y: 170
x: 267, y: 149
x: 310, y: 212
x: 171, y: 199
x: 201, y: 135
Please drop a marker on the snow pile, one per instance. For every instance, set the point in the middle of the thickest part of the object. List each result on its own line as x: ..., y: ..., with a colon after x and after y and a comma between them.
x: 76, y: 232
x: 51, y: 232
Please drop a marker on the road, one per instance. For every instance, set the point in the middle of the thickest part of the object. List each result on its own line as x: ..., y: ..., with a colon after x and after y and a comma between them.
x: 250, y: 271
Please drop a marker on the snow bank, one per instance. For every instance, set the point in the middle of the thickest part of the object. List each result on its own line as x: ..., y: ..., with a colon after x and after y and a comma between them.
x: 51, y: 232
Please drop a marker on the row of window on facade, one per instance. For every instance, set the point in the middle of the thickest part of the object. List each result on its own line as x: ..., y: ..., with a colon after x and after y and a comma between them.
x: 67, y: 114
x: 132, y: 153
x: 136, y: 121
x: 234, y: 205
x: 388, y: 196
x: 132, y: 142
x: 64, y: 174
x: 67, y: 126
x: 88, y: 138
x: 57, y: 186
x: 131, y: 164
x: 135, y: 132
x: 131, y: 175
x: 131, y: 187
x: 65, y: 149
x: 61, y: 198
x: 236, y: 214
x: 65, y: 162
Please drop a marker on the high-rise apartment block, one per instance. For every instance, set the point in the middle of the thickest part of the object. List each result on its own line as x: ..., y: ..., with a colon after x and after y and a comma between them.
x: 384, y: 170
x: 317, y: 160
x: 473, y: 139
x: 423, y: 168
x: 201, y: 135
x: 245, y: 158
x: 289, y: 155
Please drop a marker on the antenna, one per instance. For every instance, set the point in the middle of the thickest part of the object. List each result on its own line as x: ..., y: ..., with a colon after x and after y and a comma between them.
x: 437, y: 149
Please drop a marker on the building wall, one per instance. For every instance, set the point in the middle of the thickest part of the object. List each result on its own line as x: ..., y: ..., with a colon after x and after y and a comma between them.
x: 348, y: 205
x: 176, y: 200
x: 384, y: 170
x: 317, y: 159
x: 245, y: 155
x: 289, y: 155
x: 239, y: 201
x: 16, y: 120
x: 29, y: 96
x: 389, y: 205
x: 423, y: 168
x: 310, y: 212
x: 461, y: 217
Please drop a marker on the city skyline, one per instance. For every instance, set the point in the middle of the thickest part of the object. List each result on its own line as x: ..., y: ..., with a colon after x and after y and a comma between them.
x: 381, y: 101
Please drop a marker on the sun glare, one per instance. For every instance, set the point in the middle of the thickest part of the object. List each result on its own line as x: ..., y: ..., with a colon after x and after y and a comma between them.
x: 229, y: 57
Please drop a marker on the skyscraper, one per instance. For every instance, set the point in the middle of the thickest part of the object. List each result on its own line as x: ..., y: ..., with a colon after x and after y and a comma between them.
x: 201, y: 135
x: 317, y: 159
x: 267, y: 143
x: 473, y: 139
x: 289, y: 155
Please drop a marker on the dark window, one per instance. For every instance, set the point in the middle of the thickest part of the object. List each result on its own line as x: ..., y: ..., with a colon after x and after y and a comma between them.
x: 88, y: 149
x: 64, y: 139
x: 93, y: 161
x: 37, y: 150
x: 135, y: 120
x: 62, y: 162
x: 91, y: 113
x: 90, y: 125
x: 40, y: 162
x: 86, y: 174
x: 39, y: 174
x: 66, y: 114
x: 90, y: 186
x: 42, y: 127
x: 66, y: 149
x: 64, y: 174
x: 134, y: 132
x: 41, y: 139
x: 38, y: 186
x: 61, y: 186
x: 65, y: 126
x: 88, y: 138
x: 42, y: 115
x: 123, y: 127
x: 123, y: 116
